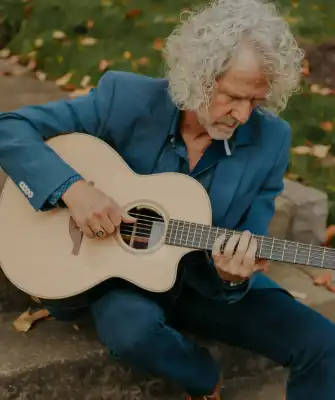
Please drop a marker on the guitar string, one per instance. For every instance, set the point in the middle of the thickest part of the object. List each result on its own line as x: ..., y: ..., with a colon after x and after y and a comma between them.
x: 197, y: 228
x: 275, y: 247
x: 265, y: 249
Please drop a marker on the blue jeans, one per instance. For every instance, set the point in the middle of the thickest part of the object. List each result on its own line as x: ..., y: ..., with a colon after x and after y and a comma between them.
x: 143, y: 329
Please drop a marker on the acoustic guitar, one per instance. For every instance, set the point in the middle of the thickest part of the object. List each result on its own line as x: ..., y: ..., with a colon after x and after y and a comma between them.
x: 45, y: 254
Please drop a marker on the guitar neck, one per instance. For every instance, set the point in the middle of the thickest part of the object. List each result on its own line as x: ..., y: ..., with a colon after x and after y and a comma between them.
x: 199, y: 236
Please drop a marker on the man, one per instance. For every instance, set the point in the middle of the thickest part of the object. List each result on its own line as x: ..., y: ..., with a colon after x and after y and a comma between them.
x: 229, y: 65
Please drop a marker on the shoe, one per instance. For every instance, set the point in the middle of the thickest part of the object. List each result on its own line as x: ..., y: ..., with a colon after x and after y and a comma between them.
x: 215, y: 396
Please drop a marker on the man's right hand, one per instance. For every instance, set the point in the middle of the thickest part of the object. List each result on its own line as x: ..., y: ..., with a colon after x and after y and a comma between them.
x: 93, y: 211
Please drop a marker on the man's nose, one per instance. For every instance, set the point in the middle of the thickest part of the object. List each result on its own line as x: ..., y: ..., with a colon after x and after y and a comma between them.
x: 242, y: 111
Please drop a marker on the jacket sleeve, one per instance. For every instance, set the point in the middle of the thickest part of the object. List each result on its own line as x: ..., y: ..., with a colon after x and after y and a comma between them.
x: 25, y: 157
x: 259, y: 215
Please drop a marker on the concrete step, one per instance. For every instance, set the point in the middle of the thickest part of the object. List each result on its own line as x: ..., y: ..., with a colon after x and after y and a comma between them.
x: 54, y: 359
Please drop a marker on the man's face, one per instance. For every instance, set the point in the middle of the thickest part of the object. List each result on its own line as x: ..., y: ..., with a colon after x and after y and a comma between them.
x: 242, y: 88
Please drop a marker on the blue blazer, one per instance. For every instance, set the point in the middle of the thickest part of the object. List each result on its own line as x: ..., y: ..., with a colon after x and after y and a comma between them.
x: 135, y: 114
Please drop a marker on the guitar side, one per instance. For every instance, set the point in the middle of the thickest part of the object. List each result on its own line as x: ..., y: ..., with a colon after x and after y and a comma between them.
x: 36, y: 247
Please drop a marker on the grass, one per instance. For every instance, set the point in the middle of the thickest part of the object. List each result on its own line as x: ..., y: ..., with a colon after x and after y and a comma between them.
x: 129, y: 35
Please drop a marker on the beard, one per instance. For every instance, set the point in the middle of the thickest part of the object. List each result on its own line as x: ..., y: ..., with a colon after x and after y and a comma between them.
x: 217, y: 130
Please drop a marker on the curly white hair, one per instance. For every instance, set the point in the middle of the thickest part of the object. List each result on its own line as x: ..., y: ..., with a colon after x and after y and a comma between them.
x: 200, y: 49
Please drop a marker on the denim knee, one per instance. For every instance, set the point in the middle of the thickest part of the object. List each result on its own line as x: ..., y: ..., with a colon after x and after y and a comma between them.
x: 317, y: 346
x: 127, y: 323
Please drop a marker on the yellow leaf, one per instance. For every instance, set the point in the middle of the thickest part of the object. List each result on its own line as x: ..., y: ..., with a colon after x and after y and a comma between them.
x: 320, y: 150
x: 26, y: 320
x: 88, y: 41
x: 80, y: 92
x: 64, y: 79
x: 4, y: 53
x: 325, y: 92
x: 301, y: 150
x: 58, y: 35
x: 85, y: 81
x: 315, y: 88
x: 38, y: 42
x: 41, y: 76
x: 60, y: 59
x: 127, y: 55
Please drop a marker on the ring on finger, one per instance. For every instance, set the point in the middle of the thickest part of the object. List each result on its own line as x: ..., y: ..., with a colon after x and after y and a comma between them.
x: 100, y: 233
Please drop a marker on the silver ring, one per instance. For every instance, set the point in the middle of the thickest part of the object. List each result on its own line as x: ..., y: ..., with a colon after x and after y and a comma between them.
x: 100, y: 233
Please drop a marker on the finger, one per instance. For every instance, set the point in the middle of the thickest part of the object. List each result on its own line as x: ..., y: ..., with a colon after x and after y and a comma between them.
x: 128, y: 219
x: 249, y: 259
x: 87, y: 231
x: 231, y: 245
x: 96, y: 227
x: 242, y: 247
x: 219, y: 242
x: 107, y: 225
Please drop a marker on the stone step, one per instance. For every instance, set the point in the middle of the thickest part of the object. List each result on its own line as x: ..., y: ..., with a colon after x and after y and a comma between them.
x: 54, y: 359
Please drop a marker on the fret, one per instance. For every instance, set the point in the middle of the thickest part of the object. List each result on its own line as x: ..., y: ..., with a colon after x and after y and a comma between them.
x: 283, y: 254
x: 273, y: 242
x: 194, y: 234
x: 323, y: 257
x: 295, y: 255
x: 309, y: 254
x: 188, y: 233
x: 200, y: 238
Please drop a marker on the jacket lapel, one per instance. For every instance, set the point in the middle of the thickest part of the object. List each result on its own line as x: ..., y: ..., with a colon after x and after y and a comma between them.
x: 231, y: 172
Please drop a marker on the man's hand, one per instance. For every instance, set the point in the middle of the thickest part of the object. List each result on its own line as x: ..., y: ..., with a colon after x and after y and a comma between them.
x: 237, y: 265
x: 96, y: 214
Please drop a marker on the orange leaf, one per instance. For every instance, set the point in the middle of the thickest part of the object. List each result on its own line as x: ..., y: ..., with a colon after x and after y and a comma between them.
x: 327, y: 126
x: 104, y: 64
x: 305, y: 67
x: 143, y: 61
x: 127, y: 55
x: 26, y: 320
x: 158, y: 44
x: 90, y: 23
x: 133, y: 13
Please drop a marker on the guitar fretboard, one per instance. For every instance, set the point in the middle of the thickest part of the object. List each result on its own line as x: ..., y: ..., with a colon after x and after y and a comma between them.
x: 199, y: 236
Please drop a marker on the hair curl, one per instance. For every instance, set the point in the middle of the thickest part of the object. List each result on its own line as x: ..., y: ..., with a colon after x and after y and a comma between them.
x: 200, y: 49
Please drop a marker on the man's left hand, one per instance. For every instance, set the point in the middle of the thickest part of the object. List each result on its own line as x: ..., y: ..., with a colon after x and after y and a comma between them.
x: 237, y: 261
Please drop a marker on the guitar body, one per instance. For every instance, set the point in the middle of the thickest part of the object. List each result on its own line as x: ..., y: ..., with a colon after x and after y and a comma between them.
x: 36, y: 247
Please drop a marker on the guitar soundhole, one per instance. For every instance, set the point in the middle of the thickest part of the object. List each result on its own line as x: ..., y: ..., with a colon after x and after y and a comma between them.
x: 146, y: 232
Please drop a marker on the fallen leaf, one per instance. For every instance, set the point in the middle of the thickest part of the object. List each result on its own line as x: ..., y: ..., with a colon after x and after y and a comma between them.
x: 104, y: 64
x: 41, y: 76
x: 158, y: 44
x: 325, y: 91
x: 85, y: 81
x: 127, y: 55
x: 64, y: 79
x: 106, y: 3
x: 298, y: 295
x: 327, y: 126
x: 31, y: 65
x: 292, y: 176
x: 58, y: 35
x: 4, y: 53
x: 90, y: 23
x: 144, y: 61
x: 301, y: 150
x: 133, y: 13
x: 305, y: 67
x: 80, y: 92
x: 88, y: 41
x: 315, y: 88
x: 39, y: 42
x: 320, y: 150
x: 26, y: 320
